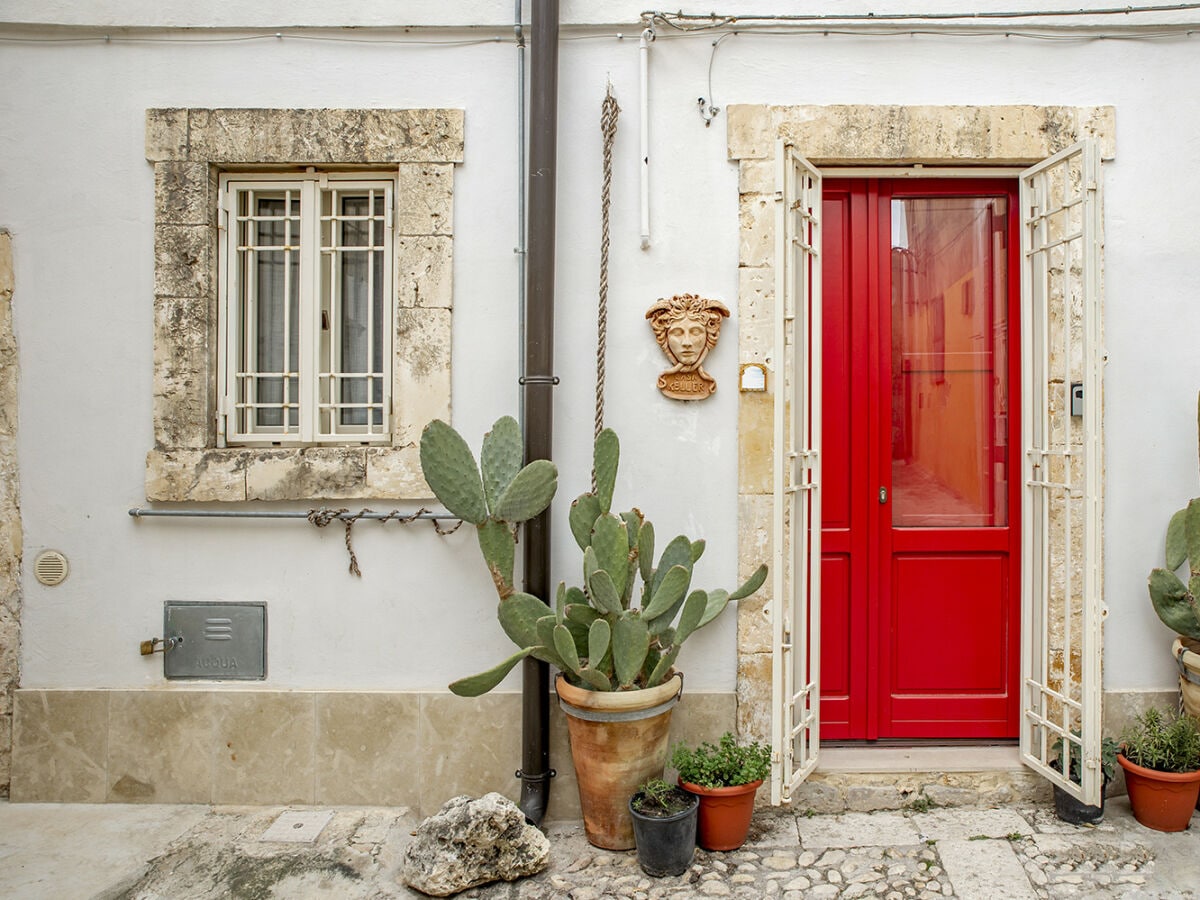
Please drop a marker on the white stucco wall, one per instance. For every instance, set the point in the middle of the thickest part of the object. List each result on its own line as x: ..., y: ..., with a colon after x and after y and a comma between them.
x: 76, y: 192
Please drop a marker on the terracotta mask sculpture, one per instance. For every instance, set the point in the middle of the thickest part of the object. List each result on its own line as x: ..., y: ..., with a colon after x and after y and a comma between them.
x: 686, y: 326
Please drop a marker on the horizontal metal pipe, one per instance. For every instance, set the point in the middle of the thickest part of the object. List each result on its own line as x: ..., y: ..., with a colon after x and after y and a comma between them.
x: 140, y: 512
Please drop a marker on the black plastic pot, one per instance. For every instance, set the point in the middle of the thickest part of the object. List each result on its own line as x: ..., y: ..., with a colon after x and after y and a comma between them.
x: 665, y: 844
x: 1071, y: 810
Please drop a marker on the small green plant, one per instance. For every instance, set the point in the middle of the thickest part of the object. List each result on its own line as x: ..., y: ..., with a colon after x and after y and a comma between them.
x: 1108, y: 758
x: 978, y: 837
x: 723, y: 764
x: 1014, y: 836
x: 921, y: 803
x: 658, y: 798
x: 809, y: 813
x: 1163, y: 741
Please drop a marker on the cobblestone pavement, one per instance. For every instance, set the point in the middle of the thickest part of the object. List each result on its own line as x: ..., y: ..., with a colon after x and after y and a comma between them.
x: 148, y: 853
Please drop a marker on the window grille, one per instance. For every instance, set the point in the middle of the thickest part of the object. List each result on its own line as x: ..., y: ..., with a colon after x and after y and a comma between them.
x: 306, y: 300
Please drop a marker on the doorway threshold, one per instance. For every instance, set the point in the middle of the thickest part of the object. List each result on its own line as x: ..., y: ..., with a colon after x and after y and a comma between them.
x: 924, y: 758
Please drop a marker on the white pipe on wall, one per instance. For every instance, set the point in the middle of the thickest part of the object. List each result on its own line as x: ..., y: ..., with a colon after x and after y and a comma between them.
x: 644, y: 112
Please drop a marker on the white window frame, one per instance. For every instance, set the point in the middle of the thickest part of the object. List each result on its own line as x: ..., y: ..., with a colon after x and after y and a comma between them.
x: 319, y: 264
x: 1069, y: 711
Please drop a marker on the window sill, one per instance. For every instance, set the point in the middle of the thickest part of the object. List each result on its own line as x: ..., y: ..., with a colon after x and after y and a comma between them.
x: 310, y: 473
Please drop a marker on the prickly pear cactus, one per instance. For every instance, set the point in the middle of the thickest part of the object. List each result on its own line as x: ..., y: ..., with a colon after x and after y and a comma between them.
x: 1174, y: 601
x: 626, y: 644
x: 496, y: 499
x: 596, y: 634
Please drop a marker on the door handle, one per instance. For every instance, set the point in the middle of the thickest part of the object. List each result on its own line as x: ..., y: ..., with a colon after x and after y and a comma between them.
x: 883, y: 495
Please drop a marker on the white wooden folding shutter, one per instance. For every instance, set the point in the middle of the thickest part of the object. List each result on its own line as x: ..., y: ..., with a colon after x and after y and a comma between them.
x: 796, y: 586
x: 1060, y: 562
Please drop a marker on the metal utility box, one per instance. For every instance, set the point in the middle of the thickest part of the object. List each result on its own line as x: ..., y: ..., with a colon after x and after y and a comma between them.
x: 215, y: 641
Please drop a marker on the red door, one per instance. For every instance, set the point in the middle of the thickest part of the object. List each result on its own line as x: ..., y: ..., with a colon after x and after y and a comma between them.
x: 920, y: 580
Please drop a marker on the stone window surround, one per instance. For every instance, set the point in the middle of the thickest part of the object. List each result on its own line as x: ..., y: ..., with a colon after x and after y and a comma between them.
x: 844, y: 135
x: 189, y: 148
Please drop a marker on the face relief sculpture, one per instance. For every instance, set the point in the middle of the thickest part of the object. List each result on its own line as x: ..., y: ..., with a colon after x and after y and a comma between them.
x: 686, y: 326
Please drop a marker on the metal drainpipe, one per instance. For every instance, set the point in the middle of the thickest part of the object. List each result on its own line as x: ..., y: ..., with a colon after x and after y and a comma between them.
x: 538, y: 381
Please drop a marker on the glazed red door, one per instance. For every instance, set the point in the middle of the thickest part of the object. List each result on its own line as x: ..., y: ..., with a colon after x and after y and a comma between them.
x: 920, y: 598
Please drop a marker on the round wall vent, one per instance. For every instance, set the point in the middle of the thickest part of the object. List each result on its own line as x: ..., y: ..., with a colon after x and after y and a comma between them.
x: 50, y: 568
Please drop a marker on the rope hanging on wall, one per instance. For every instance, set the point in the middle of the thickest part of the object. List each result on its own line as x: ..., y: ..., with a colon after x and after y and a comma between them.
x: 323, y: 516
x: 609, y: 111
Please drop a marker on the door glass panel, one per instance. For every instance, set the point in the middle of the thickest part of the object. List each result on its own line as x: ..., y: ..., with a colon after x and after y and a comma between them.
x: 949, y: 362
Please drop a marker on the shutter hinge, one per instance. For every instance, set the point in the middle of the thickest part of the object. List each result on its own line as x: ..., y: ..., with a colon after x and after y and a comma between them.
x: 779, y: 196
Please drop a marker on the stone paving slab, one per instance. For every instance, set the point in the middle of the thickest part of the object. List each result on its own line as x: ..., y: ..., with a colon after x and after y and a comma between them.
x: 858, y: 830
x: 962, y: 824
x: 985, y: 870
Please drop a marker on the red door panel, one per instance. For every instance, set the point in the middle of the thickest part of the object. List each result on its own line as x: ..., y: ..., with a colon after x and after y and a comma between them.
x: 920, y: 613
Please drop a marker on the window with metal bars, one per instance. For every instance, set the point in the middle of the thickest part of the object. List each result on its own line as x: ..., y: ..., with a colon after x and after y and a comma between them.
x: 306, y: 300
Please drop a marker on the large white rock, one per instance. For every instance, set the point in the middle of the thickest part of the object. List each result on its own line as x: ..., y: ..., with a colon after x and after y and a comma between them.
x: 472, y: 842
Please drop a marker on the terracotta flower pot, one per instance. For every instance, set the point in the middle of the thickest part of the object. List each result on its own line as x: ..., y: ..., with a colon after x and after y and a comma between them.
x: 618, y: 742
x: 1163, y: 801
x: 725, y: 814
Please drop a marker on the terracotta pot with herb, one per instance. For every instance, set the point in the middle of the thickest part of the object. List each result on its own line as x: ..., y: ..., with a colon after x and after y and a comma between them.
x: 726, y: 777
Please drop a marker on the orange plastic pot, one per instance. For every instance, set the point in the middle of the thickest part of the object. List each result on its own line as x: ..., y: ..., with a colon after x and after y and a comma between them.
x: 618, y: 742
x: 1163, y: 801
x: 725, y: 814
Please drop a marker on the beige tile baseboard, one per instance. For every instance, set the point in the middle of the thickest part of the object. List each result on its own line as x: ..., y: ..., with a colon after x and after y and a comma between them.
x: 238, y: 746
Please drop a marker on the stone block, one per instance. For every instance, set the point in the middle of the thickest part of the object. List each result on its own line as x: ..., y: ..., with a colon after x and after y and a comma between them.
x: 467, y: 746
x: 756, y: 316
x: 183, y: 260
x: 420, y: 372
x: 885, y: 135
x: 756, y: 233
x: 183, y: 193
x: 322, y: 136
x: 184, y: 382
x: 748, y: 131
x: 264, y: 751
x: 756, y: 176
x: 196, y: 475
x: 364, y: 746
x: 314, y: 473
x: 870, y: 797
x: 754, y: 628
x: 154, y: 746
x: 754, y: 696
x: 60, y: 746
x: 818, y: 796
x: 166, y: 134
x: 413, y: 135
x: 424, y: 271
x: 10, y: 656
x: 756, y: 433
x: 395, y: 473
x: 426, y: 199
